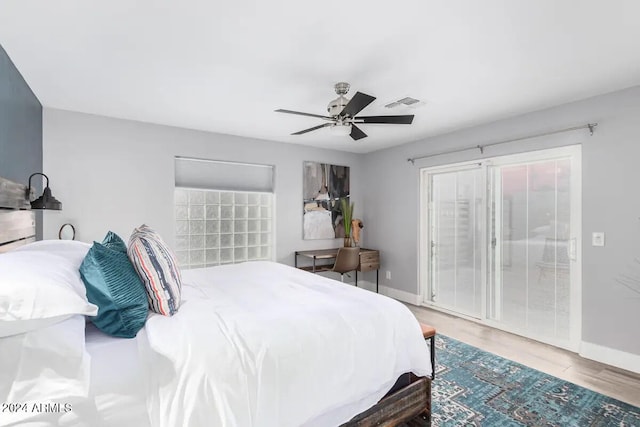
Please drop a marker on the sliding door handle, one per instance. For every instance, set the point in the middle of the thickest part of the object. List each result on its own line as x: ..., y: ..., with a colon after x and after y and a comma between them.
x: 572, y: 250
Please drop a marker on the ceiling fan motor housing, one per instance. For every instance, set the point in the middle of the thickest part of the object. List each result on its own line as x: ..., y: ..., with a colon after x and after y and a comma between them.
x: 336, y: 106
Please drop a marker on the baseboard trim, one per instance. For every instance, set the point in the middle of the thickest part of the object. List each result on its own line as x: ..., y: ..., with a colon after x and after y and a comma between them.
x: 403, y: 296
x: 610, y: 356
x: 365, y: 284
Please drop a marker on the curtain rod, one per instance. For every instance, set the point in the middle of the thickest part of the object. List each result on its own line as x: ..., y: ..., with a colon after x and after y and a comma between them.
x: 590, y: 126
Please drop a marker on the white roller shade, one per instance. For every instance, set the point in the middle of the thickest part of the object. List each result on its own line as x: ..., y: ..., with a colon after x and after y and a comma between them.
x: 221, y: 175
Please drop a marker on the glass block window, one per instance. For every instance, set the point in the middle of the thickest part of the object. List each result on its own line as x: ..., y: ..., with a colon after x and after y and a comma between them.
x: 222, y: 227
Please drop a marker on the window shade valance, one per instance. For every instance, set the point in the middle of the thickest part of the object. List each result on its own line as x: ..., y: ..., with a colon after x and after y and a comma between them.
x: 223, y: 175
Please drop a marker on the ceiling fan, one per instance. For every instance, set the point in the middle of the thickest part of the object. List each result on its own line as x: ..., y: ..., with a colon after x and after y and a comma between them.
x: 342, y: 117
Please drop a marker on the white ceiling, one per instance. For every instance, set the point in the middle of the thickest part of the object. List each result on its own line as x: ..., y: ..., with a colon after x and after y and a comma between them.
x: 225, y: 66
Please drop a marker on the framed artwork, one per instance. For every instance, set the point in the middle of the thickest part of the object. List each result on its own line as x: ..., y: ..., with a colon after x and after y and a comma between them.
x: 323, y: 187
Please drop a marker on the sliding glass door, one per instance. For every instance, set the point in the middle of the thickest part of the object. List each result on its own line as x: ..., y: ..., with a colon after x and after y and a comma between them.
x: 500, y: 243
x: 455, y: 245
x: 533, y: 231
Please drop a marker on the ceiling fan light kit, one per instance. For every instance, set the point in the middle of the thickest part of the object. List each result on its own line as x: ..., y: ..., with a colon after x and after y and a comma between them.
x: 340, y: 129
x: 342, y: 117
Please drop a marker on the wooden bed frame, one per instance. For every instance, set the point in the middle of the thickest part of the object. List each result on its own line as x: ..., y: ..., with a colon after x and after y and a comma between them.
x: 409, y: 401
x: 409, y: 404
x: 17, y: 221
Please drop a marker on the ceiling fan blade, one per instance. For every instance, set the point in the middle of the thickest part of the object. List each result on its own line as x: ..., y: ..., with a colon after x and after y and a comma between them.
x: 356, y: 133
x: 313, y: 128
x: 300, y: 113
x: 357, y: 104
x: 395, y: 120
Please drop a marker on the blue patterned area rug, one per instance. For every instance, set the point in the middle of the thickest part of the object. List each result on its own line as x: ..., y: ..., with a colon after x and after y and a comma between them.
x: 476, y: 388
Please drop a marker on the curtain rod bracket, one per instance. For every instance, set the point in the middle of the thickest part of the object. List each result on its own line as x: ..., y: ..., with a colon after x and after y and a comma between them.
x: 481, y: 148
x: 413, y: 161
x: 592, y: 127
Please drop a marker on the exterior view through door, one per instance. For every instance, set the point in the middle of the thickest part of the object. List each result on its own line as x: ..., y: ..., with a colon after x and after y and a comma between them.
x: 500, y: 242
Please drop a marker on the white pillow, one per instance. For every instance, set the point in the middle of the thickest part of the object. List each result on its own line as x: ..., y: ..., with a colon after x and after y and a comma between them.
x: 39, y: 288
x: 45, y: 366
x: 71, y: 250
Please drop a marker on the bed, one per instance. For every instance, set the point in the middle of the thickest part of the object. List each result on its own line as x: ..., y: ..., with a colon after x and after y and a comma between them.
x: 253, y: 344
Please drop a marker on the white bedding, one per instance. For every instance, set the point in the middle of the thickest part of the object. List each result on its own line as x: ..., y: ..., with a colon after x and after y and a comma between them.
x: 117, y: 387
x: 44, y: 374
x: 263, y: 344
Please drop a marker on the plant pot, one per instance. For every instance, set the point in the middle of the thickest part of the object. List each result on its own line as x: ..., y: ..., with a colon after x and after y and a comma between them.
x: 348, y: 242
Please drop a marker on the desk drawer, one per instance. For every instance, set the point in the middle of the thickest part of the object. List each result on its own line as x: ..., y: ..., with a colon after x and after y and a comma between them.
x: 370, y: 257
x: 369, y: 260
x: 368, y: 266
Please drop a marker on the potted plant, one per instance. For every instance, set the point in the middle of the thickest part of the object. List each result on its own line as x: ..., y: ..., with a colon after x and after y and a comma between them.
x: 347, y: 214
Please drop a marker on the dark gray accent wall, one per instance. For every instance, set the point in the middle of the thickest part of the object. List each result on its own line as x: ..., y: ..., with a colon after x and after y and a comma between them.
x: 20, y: 128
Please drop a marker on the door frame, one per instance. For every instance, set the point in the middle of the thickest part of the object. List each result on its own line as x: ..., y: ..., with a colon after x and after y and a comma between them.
x: 574, y: 152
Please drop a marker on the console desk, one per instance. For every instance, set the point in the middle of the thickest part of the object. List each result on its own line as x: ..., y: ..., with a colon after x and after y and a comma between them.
x: 369, y: 260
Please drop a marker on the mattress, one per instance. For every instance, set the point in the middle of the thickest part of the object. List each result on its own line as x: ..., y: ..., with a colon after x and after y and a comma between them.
x: 117, y: 391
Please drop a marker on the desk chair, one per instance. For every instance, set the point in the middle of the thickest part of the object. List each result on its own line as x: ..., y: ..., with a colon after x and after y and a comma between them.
x: 347, y: 260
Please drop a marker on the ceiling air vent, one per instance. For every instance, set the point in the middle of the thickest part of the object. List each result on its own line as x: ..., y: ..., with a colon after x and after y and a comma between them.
x: 404, y: 101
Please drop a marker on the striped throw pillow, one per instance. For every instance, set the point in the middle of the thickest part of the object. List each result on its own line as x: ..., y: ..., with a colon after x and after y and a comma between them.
x: 157, y: 267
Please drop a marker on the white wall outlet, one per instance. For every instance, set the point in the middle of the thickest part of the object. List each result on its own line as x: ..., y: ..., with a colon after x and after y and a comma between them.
x: 388, y: 275
x: 597, y: 238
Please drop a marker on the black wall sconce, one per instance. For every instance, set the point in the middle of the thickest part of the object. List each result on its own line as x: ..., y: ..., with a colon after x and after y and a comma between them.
x: 46, y: 201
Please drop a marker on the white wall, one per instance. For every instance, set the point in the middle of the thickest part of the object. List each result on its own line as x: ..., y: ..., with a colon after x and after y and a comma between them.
x: 611, y: 203
x: 115, y: 174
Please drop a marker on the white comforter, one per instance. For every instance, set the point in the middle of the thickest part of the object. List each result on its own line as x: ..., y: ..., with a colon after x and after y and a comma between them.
x: 263, y: 344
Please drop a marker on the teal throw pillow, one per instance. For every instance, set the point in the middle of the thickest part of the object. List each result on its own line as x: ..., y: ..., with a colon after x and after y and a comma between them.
x: 113, y: 241
x: 115, y: 287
